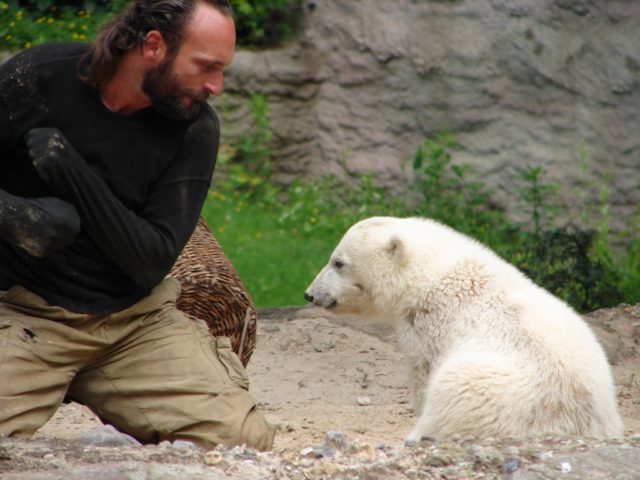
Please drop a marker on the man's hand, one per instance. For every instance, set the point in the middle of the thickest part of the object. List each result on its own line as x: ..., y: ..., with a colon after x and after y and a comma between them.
x: 50, y: 153
x: 40, y: 226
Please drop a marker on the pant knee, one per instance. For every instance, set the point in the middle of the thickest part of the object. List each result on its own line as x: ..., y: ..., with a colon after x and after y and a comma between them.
x: 256, y: 432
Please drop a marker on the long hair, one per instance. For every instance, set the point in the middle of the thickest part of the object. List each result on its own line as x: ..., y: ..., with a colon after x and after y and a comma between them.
x: 129, y: 29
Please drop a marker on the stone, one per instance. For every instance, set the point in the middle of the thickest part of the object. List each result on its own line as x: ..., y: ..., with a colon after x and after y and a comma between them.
x: 554, y: 84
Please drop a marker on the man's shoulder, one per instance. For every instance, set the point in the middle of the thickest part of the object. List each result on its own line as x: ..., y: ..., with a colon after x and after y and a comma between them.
x: 49, y: 54
x: 208, y: 116
x: 205, y: 125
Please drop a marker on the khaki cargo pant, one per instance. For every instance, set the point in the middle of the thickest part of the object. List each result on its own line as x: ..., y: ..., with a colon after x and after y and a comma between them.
x: 148, y: 370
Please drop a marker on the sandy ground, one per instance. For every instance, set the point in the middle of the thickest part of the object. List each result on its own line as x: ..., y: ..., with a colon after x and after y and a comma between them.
x: 313, y: 374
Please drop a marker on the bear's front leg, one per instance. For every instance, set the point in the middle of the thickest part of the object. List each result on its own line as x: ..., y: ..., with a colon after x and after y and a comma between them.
x: 420, y: 431
x: 417, y: 374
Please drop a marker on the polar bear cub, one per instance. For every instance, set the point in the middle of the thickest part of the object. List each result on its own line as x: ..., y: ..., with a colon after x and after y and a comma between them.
x: 489, y: 353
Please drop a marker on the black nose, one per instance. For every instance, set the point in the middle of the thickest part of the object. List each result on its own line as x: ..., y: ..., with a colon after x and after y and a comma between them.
x: 308, y: 298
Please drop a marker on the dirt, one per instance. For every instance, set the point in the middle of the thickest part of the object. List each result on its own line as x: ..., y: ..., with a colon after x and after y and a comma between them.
x: 313, y: 374
x: 335, y: 388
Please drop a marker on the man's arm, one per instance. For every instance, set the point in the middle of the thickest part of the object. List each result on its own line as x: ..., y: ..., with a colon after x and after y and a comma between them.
x: 144, y: 245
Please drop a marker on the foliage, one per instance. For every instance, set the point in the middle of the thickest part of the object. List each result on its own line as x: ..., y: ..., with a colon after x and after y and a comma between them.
x: 538, y: 197
x: 245, y: 165
x: 265, y: 23
x: 43, y: 21
x: 450, y: 196
x: 26, y: 23
x: 563, y: 261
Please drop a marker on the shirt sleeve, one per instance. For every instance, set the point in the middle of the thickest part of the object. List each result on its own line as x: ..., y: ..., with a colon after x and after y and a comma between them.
x: 146, y: 244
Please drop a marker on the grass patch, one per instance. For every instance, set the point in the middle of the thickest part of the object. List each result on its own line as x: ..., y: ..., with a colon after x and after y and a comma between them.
x: 276, y: 263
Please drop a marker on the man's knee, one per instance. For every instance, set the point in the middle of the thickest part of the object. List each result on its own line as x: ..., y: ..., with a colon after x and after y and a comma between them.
x: 229, y: 419
x: 256, y: 432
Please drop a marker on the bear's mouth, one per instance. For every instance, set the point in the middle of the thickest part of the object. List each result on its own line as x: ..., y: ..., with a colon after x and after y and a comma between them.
x: 332, y: 305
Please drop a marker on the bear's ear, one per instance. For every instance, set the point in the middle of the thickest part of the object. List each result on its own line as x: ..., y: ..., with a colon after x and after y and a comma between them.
x: 396, y: 249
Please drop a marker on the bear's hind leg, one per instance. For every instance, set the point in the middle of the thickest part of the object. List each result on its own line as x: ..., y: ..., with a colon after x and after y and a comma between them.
x: 471, y: 398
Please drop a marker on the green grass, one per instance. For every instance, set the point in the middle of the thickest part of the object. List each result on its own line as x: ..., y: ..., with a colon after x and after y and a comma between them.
x: 275, y: 263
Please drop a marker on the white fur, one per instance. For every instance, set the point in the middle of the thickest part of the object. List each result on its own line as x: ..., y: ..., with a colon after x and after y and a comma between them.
x: 489, y: 353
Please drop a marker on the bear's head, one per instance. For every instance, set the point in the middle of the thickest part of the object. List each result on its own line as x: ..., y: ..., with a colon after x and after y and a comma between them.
x: 365, y: 271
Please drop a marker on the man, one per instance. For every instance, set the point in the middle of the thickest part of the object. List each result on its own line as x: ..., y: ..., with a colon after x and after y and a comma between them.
x: 106, y: 154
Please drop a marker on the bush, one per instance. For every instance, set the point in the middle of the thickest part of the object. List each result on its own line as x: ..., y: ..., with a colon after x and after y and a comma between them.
x: 33, y: 23
x: 265, y: 23
x: 26, y: 23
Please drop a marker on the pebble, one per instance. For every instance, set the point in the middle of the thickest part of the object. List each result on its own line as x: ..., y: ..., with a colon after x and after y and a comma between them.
x: 337, y: 440
x: 511, y: 466
x: 213, y: 457
x: 543, y: 455
x: 363, y: 401
x: 564, y: 467
x: 107, y: 435
x: 184, y: 445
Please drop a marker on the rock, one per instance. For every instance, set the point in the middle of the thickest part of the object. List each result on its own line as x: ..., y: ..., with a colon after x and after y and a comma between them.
x: 526, y: 83
x: 213, y: 457
x: 337, y: 440
x: 603, y: 462
x: 107, y: 435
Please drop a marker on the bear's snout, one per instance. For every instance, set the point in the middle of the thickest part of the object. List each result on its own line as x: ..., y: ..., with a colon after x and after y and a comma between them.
x: 308, y: 297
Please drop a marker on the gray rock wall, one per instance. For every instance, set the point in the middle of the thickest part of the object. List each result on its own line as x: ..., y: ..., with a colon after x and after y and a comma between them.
x: 550, y: 83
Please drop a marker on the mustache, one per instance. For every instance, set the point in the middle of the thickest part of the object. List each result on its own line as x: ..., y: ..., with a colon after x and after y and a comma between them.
x: 196, y: 96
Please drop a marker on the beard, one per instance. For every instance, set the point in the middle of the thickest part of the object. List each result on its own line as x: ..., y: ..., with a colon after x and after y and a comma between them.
x: 167, y: 96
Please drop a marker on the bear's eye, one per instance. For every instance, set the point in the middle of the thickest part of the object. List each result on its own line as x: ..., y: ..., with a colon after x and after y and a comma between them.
x: 338, y: 264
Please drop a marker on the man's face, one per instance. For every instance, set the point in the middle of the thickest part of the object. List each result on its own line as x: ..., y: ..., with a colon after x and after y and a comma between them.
x: 168, y: 96
x: 181, y: 83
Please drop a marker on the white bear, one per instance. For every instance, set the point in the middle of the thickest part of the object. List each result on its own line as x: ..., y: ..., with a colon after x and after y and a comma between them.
x: 489, y: 353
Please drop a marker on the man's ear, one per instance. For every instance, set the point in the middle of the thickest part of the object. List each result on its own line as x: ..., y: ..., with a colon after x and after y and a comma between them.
x: 396, y: 249
x: 154, y: 47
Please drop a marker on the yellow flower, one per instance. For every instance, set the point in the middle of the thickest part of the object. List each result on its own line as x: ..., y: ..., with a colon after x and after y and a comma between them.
x: 8, y: 37
x: 4, y: 6
x: 27, y: 45
x: 50, y: 21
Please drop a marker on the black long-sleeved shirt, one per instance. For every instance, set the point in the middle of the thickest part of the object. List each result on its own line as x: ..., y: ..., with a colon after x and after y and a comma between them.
x: 138, y: 192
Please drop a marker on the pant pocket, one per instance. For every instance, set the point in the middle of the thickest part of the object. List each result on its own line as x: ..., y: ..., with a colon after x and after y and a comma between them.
x: 231, y: 362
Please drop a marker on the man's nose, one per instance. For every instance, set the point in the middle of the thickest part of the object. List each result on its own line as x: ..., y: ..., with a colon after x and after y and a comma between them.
x: 214, y: 85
